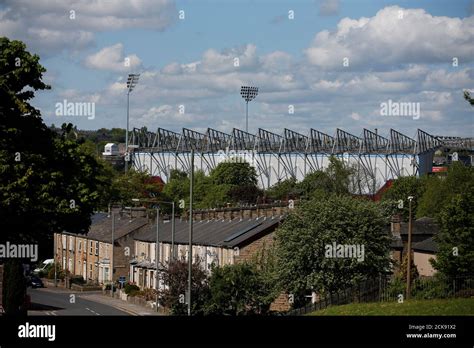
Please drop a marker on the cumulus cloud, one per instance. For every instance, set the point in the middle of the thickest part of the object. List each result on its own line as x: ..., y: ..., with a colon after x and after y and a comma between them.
x: 394, y: 36
x: 49, y: 27
x: 112, y: 58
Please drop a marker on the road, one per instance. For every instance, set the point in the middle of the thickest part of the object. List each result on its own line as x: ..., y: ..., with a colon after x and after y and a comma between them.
x: 58, y: 303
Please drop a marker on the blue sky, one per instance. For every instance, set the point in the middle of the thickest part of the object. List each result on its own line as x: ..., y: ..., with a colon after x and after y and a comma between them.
x: 401, y: 51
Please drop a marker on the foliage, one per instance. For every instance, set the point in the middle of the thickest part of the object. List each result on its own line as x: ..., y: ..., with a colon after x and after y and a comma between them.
x: 468, y: 97
x: 439, y: 191
x: 414, y: 275
x: 238, y: 290
x: 455, y: 239
x: 283, y: 190
x: 59, y: 272
x: 129, y: 288
x: 47, y: 182
x: 302, y: 238
x: 77, y: 279
x: 404, y: 187
x: 175, y: 276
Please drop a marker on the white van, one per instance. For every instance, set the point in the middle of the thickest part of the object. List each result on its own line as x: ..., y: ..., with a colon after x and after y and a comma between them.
x: 44, y: 265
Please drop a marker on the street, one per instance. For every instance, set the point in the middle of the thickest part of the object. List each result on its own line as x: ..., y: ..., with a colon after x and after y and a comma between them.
x: 57, y: 302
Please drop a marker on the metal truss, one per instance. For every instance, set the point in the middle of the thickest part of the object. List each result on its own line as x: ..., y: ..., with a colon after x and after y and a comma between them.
x: 291, y: 155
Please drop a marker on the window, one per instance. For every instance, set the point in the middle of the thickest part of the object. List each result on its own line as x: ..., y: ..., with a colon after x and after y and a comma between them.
x: 79, y: 247
x: 63, y: 242
x: 91, y: 247
x: 96, y: 248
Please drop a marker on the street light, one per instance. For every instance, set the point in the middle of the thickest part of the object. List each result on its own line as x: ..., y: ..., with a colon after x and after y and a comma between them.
x: 248, y: 93
x: 410, y: 198
x: 132, y: 81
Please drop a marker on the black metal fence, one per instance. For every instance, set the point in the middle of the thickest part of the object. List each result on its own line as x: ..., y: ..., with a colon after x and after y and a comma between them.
x: 388, y: 290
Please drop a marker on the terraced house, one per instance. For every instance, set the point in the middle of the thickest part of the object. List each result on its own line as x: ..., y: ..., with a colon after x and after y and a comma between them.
x: 221, y: 240
x: 91, y: 255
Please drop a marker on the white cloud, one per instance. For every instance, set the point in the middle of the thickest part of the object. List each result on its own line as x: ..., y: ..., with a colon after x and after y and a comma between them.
x: 388, y: 40
x: 46, y: 26
x: 112, y: 58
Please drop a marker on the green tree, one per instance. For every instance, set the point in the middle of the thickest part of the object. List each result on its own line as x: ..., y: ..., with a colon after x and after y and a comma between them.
x: 468, y: 97
x: 234, y: 173
x: 404, y: 187
x: 335, y: 179
x: 455, y: 239
x: 238, y: 290
x: 301, y: 243
x: 175, y: 277
x: 440, y: 190
x: 283, y: 190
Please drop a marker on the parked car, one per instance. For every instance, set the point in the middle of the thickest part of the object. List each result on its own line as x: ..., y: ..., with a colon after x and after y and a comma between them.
x: 35, y: 282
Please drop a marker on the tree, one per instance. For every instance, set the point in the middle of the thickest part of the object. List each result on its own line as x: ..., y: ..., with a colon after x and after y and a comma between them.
x: 302, y: 242
x: 283, y: 190
x: 468, y: 97
x: 135, y: 184
x: 335, y: 179
x: 404, y: 187
x: 455, y: 239
x: 175, y: 277
x: 440, y: 190
x: 234, y: 173
x: 14, y: 288
x: 238, y: 289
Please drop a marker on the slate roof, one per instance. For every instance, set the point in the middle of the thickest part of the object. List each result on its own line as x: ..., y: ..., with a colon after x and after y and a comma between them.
x: 424, y: 225
x: 101, y: 227
x: 427, y: 245
x: 223, y: 233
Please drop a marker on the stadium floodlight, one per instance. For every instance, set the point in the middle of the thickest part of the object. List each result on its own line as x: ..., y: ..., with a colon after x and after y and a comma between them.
x: 132, y: 81
x: 248, y: 93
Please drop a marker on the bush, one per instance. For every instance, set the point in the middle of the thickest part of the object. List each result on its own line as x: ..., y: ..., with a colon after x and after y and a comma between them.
x: 59, y: 271
x: 131, y: 288
x: 77, y: 279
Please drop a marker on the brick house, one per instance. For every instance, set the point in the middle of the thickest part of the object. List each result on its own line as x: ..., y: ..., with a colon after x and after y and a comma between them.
x: 90, y: 255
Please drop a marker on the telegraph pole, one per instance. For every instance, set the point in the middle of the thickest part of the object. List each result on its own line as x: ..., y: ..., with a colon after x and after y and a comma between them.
x: 410, y: 198
x: 190, y: 251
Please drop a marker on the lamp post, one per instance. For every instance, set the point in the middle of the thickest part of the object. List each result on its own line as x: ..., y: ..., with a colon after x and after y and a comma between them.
x: 112, y: 257
x: 248, y: 93
x: 190, y: 251
x: 132, y: 81
x: 410, y: 198
x: 157, y: 253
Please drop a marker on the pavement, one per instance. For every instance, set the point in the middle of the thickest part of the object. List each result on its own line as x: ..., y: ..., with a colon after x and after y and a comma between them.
x: 59, y: 302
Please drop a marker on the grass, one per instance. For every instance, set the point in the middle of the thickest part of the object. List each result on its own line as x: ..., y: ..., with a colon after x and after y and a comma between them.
x: 453, y: 306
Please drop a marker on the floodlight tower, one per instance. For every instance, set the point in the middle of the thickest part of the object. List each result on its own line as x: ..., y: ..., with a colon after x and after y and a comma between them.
x: 131, y: 83
x: 248, y: 93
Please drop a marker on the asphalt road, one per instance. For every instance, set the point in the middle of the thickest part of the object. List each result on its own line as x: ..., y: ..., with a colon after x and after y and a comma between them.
x: 58, y: 303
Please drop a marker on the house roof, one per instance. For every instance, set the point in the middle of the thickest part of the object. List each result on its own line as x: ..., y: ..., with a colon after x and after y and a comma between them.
x: 224, y: 233
x: 101, y: 227
x: 426, y: 245
x: 424, y: 225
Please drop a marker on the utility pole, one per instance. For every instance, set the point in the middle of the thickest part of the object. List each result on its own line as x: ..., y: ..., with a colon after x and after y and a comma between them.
x: 157, y: 253
x: 172, y: 231
x: 190, y: 251
x: 410, y: 198
x: 112, y: 257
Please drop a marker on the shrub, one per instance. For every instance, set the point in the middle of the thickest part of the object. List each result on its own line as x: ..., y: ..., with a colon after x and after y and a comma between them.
x: 129, y: 288
x: 77, y: 279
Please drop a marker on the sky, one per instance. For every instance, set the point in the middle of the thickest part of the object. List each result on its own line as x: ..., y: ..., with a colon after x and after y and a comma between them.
x: 318, y: 64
